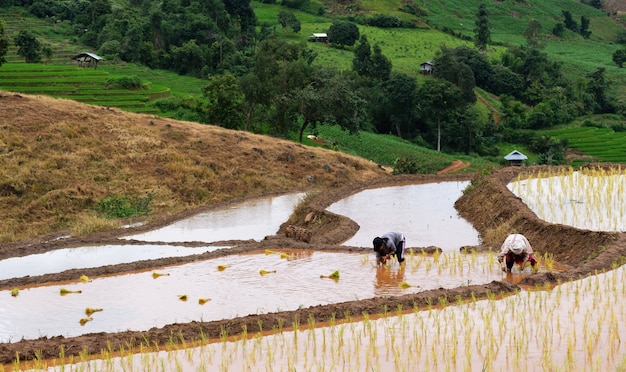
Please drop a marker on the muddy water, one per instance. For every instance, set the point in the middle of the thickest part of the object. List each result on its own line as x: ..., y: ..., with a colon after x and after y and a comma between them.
x: 138, y: 301
x: 93, y: 256
x: 578, y: 326
x: 253, y: 219
x: 425, y: 214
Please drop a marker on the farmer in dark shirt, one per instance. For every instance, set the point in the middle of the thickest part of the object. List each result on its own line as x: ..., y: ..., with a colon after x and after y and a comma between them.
x: 388, y: 245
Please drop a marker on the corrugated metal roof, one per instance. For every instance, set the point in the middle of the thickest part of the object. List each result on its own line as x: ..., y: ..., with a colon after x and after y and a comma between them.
x: 94, y: 56
x: 515, y: 155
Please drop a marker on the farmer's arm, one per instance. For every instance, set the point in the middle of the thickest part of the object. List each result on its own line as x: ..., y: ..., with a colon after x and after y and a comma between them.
x: 503, y: 250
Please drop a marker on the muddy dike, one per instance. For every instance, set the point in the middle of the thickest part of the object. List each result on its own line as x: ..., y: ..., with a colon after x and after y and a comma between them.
x: 487, y: 204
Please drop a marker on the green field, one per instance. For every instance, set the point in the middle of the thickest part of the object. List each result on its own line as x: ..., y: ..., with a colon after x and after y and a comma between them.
x: 58, y: 76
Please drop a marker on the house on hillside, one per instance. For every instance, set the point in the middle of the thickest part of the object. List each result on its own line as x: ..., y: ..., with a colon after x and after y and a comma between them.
x: 319, y: 38
x: 86, y: 59
x: 426, y: 68
x: 515, y: 158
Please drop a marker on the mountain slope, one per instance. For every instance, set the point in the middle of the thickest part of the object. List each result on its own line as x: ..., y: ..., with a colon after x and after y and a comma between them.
x: 59, y: 158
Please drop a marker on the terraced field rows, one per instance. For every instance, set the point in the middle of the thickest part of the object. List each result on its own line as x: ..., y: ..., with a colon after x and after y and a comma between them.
x: 81, y: 84
x: 603, y: 144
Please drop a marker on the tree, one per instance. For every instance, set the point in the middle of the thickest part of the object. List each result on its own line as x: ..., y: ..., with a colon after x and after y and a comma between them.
x: 400, y: 100
x: 342, y: 33
x: 569, y: 22
x: 619, y: 57
x: 439, y: 102
x: 381, y: 64
x: 364, y: 63
x: 222, y: 101
x: 28, y: 46
x: 331, y: 99
x: 532, y: 34
x: 4, y: 44
x: 504, y: 81
x: 598, y: 87
x: 584, y: 27
x: 482, y: 34
x: 289, y: 21
x: 454, y: 69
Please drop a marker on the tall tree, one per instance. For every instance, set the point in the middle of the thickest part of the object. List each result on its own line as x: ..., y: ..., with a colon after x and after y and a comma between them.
x: 400, y: 100
x: 584, y: 27
x: 364, y: 63
x: 482, y: 33
x: 598, y: 88
x: 439, y: 103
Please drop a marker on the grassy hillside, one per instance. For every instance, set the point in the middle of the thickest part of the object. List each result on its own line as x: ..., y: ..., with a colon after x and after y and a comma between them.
x: 70, y: 166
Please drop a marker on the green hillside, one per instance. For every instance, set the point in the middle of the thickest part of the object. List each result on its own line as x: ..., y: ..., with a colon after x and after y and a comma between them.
x: 441, y: 23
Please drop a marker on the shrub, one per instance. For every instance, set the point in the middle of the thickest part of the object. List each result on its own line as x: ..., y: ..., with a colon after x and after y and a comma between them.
x: 123, y: 82
x: 124, y: 206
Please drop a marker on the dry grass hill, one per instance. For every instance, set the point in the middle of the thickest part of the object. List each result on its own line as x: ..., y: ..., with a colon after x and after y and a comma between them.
x: 59, y: 158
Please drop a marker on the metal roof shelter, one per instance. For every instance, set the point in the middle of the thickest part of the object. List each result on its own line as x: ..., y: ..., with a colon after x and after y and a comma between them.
x: 515, y: 157
x: 86, y: 59
x: 321, y: 37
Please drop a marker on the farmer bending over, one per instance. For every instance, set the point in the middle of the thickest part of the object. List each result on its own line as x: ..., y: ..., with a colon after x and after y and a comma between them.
x: 390, y: 244
x: 516, y: 250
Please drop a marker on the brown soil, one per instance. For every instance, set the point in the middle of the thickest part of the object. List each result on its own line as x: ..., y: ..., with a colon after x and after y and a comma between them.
x: 456, y: 165
x: 487, y: 204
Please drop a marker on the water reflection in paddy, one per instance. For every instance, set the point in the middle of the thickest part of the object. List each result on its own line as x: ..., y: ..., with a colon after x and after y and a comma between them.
x: 424, y: 213
x: 575, y: 327
x: 137, y: 301
x: 93, y: 256
x: 253, y: 219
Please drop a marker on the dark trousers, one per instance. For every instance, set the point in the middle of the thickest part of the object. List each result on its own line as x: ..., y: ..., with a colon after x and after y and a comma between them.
x: 400, y: 251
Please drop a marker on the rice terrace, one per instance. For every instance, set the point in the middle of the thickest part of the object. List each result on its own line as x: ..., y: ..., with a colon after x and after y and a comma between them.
x: 483, y: 319
x: 204, y: 198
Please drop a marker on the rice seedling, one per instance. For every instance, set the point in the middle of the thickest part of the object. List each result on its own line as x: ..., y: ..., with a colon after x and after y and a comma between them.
x: 90, y: 310
x: 222, y: 267
x: 84, y: 321
x: 265, y: 272
x: 204, y: 300
x: 65, y: 291
x: 182, y: 297
x: 404, y: 285
x: 334, y: 275
x: 84, y: 278
x: 156, y: 275
x: 15, y: 292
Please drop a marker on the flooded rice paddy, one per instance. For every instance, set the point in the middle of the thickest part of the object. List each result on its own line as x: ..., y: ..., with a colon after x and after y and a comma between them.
x: 91, y: 256
x: 591, y: 201
x: 254, y: 219
x: 425, y: 214
x: 233, y: 286
x: 578, y: 326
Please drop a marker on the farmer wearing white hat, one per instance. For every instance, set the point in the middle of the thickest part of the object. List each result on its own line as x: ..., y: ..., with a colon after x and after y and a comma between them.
x: 516, y: 249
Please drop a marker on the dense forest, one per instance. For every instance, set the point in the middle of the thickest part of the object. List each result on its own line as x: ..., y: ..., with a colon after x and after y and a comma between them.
x: 257, y: 82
